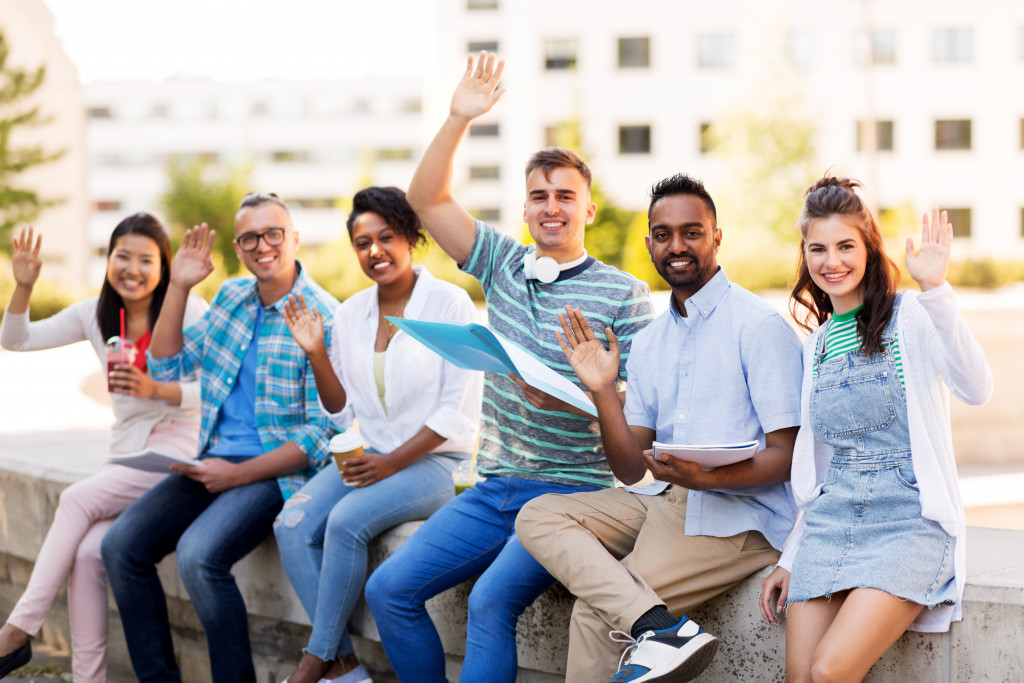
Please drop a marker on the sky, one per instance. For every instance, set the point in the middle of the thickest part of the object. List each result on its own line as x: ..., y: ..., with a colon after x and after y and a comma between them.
x: 234, y: 40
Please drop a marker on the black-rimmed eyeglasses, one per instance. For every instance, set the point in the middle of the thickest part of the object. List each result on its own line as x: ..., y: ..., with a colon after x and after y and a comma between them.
x: 272, y: 236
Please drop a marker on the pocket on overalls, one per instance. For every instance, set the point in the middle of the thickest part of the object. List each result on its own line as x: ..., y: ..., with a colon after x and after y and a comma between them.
x: 853, y: 402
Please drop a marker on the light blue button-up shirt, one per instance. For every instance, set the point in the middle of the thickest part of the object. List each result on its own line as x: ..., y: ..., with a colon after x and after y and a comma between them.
x: 728, y: 372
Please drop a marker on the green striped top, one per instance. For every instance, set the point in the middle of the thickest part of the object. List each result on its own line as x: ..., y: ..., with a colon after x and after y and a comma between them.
x: 841, y: 338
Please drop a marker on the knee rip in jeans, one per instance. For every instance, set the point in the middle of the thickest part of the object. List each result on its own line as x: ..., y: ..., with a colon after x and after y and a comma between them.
x: 291, y: 519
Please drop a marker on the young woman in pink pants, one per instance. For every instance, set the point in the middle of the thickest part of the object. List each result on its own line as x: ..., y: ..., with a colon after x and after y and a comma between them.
x: 148, y: 414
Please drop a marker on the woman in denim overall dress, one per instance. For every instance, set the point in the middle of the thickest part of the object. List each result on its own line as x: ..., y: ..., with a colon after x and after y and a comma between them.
x: 879, y: 546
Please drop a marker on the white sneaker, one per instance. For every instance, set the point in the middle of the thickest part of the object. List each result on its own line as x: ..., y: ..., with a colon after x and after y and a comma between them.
x: 671, y: 655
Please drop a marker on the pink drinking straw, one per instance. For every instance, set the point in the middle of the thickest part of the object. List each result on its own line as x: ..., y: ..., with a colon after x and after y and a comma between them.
x: 122, y: 326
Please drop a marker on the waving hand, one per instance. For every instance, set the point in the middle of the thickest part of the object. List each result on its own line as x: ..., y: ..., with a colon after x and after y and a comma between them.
x: 928, y: 267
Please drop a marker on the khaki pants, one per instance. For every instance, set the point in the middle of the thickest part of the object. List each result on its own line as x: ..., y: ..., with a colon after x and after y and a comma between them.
x: 622, y: 554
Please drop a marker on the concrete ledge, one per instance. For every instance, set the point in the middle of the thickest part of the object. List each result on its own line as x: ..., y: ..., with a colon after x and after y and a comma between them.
x: 984, y: 647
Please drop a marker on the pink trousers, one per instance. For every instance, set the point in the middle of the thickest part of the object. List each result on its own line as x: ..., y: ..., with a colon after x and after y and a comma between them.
x: 71, y: 551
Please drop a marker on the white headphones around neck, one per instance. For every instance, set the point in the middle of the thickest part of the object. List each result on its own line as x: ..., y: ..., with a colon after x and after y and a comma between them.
x: 544, y: 269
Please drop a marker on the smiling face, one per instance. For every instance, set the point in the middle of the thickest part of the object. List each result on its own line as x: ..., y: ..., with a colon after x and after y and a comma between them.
x: 270, y: 264
x: 836, y: 261
x: 683, y: 243
x: 385, y: 255
x: 133, y: 267
x: 557, y: 211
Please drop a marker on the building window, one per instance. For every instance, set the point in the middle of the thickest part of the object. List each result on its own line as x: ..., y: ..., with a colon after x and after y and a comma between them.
x: 100, y: 113
x: 484, y: 172
x: 1022, y: 133
x: 290, y: 156
x: 634, y: 53
x: 412, y: 105
x: 559, y: 54
x: 883, y: 136
x: 1022, y: 221
x: 484, y: 130
x: 551, y: 136
x: 394, y: 154
x: 952, y: 45
x: 481, y: 4
x: 705, y: 137
x: 800, y: 49
x: 716, y: 50
x: 634, y: 139
x: 961, y: 220
x: 491, y: 215
x: 259, y: 108
x: 953, y: 134
x: 312, y: 203
x: 883, y: 47
x: 106, y: 205
x: 476, y: 46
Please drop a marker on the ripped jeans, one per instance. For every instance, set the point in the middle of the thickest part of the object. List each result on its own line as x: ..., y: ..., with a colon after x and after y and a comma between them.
x: 323, y: 531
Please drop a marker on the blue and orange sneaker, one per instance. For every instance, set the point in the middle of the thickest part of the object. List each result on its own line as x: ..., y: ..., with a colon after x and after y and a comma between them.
x: 670, y: 655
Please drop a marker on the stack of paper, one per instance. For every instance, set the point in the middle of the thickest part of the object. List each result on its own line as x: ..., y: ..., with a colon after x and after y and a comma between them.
x: 707, y: 456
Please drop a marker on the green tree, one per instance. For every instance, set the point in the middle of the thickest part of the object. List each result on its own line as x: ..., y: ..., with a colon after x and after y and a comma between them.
x: 198, y: 193
x: 19, y: 205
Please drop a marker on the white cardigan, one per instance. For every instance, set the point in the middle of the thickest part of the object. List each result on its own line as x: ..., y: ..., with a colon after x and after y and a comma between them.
x: 938, y: 353
x: 134, y: 418
x: 420, y: 387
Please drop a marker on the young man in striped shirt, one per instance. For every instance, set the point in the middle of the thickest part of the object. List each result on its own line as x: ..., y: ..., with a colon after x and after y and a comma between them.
x: 530, y: 442
x: 720, y: 366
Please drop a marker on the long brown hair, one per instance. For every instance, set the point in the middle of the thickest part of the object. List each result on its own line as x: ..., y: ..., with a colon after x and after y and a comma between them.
x: 108, y: 308
x: 833, y: 196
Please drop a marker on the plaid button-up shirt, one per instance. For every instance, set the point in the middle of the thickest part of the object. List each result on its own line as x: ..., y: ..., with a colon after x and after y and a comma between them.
x: 286, y: 399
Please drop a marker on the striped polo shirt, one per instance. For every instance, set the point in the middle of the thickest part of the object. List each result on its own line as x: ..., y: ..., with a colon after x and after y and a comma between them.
x: 841, y: 338
x: 516, y: 439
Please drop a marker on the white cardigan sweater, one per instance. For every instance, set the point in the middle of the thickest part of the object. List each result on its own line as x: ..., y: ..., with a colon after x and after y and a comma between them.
x: 134, y: 418
x: 939, y: 356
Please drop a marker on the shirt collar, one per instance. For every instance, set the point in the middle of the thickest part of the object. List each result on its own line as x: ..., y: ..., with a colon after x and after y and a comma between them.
x: 706, y: 299
x: 301, y: 286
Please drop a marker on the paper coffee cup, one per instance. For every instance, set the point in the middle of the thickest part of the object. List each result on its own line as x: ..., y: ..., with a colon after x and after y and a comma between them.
x: 348, y: 444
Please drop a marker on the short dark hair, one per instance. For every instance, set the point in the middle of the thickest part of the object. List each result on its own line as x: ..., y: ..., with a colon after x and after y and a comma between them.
x: 390, y: 204
x: 680, y: 183
x: 551, y: 158
x: 108, y: 308
x: 253, y: 199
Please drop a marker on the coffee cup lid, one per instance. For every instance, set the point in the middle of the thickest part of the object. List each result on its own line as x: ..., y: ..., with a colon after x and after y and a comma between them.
x: 346, y: 441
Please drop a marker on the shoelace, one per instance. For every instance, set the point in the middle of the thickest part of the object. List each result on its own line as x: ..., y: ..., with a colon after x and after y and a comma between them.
x: 623, y: 637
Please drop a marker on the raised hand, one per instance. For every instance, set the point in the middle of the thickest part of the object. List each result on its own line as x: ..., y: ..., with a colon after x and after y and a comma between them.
x: 25, y: 260
x: 192, y: 263
x: 476, y: 92
x: 305, y: 324
x: 929, y: 266
x: 596, y: 366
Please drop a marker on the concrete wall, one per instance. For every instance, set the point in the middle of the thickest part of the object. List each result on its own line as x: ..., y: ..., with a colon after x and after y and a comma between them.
x: 984, y: 647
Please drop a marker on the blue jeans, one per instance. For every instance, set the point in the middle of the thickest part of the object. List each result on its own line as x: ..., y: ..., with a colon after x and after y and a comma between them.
x: 209, y: 532
x: 473, y: 533
x: 324, y: 529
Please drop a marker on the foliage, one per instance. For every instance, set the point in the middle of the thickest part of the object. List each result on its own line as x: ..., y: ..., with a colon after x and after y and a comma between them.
x: 19, y: 205
x: 198, y: 193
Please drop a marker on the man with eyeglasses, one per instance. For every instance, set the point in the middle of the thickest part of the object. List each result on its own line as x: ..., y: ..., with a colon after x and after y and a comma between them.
x: 263, y: 436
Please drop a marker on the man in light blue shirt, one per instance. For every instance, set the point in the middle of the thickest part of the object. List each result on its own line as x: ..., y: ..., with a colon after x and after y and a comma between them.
x: 720, y: 366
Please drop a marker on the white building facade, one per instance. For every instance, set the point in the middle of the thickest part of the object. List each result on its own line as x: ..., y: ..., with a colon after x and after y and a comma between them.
x: 941, y: 82
x: 313, y: 143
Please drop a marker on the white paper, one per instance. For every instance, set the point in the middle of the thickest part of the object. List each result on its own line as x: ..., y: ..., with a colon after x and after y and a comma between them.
x: 152, y: 461
x: 538, y: 375
x: 705, y: 455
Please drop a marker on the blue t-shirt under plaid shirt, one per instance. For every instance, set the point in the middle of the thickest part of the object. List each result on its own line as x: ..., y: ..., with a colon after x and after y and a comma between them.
x: 286, y: 400
x: 516, y: 439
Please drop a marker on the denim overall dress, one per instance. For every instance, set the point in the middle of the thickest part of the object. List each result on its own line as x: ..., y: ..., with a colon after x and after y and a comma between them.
x: 866, y: 527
